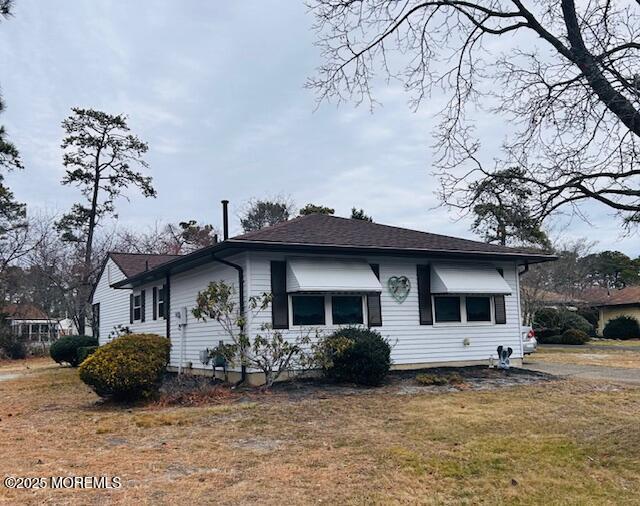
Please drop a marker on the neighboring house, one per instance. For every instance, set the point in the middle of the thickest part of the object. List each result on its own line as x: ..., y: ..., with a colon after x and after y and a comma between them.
x: 110, y: 307
x: 625, y: 302
x: 438, y: 299
x: 30, y: 323
x: 549, y: 299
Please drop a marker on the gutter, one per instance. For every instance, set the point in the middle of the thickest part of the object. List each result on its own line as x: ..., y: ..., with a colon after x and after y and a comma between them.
x: 240, y: 269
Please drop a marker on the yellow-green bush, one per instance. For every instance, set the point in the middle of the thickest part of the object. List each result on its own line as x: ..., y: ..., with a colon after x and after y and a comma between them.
x: 129, y: 367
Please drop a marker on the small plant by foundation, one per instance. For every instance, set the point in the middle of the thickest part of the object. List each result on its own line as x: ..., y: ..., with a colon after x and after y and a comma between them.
x: 439, y: 379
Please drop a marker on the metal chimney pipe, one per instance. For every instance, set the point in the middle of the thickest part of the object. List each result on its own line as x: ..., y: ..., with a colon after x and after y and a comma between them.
x: 225, y: 219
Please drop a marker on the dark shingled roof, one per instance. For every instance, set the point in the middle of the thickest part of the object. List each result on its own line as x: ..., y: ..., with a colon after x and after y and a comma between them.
x: 23, y: 312
x: 135, y: 263
x: 319, y: 233
x: 326, y: 230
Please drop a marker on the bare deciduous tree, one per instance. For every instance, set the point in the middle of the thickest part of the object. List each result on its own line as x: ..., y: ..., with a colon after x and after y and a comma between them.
x: 566, y: 76
x: 172, y: 239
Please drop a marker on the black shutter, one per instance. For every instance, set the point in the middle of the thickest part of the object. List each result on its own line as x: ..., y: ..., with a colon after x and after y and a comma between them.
x: 131, y: 309
x: 279, y: 301
x: 142, y: 305
x: 424, y: 294
x: 374, y: 309
x: 165, y: 302
x: 501, y: 311
x: 155, y: 302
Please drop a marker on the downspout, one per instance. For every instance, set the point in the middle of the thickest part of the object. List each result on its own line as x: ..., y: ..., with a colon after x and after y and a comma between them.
x: 167, y: 304
x: 243, y: 374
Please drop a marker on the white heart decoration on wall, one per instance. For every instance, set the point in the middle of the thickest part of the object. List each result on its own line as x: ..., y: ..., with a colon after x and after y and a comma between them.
x: 399, y: 287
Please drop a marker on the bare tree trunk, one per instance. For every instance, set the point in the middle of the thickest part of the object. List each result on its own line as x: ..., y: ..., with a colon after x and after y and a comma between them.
x: 88, y: 252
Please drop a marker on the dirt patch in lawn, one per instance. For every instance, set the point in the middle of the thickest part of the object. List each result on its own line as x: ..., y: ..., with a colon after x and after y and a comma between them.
x: 545, y: 442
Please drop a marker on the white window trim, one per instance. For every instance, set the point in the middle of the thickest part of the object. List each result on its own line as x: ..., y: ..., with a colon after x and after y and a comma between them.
x: 139, y: 296
x: 463, y: 311
x: 159, y: 290
x: 328, y: 313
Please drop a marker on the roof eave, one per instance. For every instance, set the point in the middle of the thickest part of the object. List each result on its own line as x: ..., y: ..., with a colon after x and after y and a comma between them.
x: 203, y: 256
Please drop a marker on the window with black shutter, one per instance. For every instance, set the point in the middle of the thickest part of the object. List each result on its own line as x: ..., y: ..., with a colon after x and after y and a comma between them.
x: 279, y: 300
x: 142, y: 305
x: 424, y: 294
x: 131, y: 310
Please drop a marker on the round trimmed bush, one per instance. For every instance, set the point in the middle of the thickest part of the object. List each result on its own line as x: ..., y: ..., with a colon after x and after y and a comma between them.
x: 356, y: 355
x: 84, y: 352
x: 12, y: 348
x: 574, y: 336
x: 129, y: 367
x: 66, y: 349
x: 622, y: 327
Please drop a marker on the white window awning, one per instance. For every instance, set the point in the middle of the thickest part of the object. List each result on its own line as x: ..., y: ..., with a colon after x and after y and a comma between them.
x: 329, y: 275
x: 460, y: 278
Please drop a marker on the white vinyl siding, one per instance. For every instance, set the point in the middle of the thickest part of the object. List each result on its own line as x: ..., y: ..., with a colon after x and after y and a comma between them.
x: 114, y: 304
x: 414, y: 343
x: 183, y: 292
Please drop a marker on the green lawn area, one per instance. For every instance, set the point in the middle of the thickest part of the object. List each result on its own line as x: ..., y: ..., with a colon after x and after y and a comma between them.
x: 559, y: 442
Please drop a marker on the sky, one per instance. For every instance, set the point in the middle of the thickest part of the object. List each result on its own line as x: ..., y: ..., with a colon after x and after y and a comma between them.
x: 217, y: 90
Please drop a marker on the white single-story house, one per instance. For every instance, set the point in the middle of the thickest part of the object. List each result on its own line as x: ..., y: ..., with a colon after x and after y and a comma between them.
x: 438, y: 299
x: 110, y: 307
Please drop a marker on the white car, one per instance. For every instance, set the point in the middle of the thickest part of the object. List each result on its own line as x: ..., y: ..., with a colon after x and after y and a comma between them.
x: 529, y: 341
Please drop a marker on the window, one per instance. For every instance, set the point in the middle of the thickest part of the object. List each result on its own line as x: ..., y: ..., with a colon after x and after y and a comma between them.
x: 478, y: 309
x: 137, y: 307
x: 346, y: 310
x: 447, y: 309
x: 161, y: 302
x: 308, y: 309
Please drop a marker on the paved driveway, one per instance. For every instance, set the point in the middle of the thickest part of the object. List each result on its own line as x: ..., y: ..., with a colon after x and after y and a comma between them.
x: 598, y: 372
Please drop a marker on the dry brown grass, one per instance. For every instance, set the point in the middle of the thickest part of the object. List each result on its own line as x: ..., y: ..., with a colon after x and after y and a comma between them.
x: 615, y: 342
x: 590, y: 356
x: 551, y: 443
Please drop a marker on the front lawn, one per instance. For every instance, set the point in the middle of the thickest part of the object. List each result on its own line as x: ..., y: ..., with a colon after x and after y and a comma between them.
x: 589, y: 355
x: 553, y: 442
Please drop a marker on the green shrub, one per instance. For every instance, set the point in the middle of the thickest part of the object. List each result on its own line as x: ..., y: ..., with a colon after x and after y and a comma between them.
x: 66, y: 349
x: 547, y: 318
x: 11, y: 347
x: 569, y: 336
x: 84, y: 352
x: 549, y: 322
x: 570, y: 320
x: 549, y: 339
x: 355, y: 355
x: 590, y: 314
x: 622, y: 327
x: 129, y: 367
x: 439, y: 379
x: 574, y: 336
